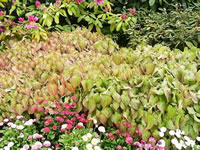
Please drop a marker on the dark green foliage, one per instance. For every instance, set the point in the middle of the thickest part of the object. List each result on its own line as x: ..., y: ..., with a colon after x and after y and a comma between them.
x: 175, y: 29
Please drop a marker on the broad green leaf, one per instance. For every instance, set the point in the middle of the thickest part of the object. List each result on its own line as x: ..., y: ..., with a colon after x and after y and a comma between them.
x: 145, y: 135
x: 116, y: 118
x: 119, y: 26
x: 90, y: 27
x: 91, y: 105
x: 105, y: 100
x: 150, y: 121
x: 171, y: 111
x: 49, y: 21
x: 152, y: 2
x: 12, y: 9
x: 191, y: 110
x: 56, y: 18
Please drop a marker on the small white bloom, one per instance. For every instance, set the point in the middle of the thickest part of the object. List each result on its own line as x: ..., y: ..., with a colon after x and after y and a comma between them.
x: 10, y: 144
x: 6, y: 120
x: 29, y: 122
x: 9, y: 124
x: 89, y: 135
x: 101, y: 129
x: 6, y: 148
x: 161, y: 134
x: 11, y: 117
x: 178, y: 146
x: 13, y: 126
x: 162, y: 143
x: 97, y: 148
x: 198, y: 138
x: 21, y: 135
x: 20, y: 117
x: 172, y: 132
x: 85, y: 138
x: 186, y: 138
x: 94, y: 120
x: 192, y: 143
x: 174, y: 141
x: 163, y: 129
x: 95, y: 141
x: 22, y: 149
x: 20, y: 127
x: 89, y: 146
x: 1, y: 123
x: 64, y: 126
x: 182, y: 132
x: 178, y: 133
x: 75, y: 148
x: 80, y: 123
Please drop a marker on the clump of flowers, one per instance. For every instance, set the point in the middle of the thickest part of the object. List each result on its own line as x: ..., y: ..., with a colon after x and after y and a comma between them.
x: 21, y: 134
x: 81, y: 139
x: 179, y: 140
x: 99, y: 2
x: 62, y: 120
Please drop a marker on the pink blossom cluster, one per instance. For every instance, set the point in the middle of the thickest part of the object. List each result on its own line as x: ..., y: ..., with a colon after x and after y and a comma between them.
x: 32, y: 18
x: 79, y: 1
x: 99, y: 2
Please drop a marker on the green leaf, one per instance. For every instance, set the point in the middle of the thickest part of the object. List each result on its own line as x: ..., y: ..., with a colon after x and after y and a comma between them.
x: 116, y: 118
x: 12, y: 9
x: 189, y: 44
x: 119, y: 26
x: 105, y: 100
x: 171, y: 111
x: 56, y: 18
x: 90, y: 27
x: 150, y: 121
x: 162, y: 106
x: 145, y: 134
x: 191, y: 111
x: 170, y: 125
x: 152, y: 2
x: 69, y: 10
x: 91, y: 105
x: 98, y: 29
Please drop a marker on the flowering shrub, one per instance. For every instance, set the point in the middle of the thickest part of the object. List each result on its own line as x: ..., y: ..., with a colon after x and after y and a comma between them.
x: 96, y: 13
x: 21, y: 134
x: 81, y: 139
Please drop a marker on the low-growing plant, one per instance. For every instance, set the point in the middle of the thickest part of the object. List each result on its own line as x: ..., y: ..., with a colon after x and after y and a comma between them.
x: 21, y: 134
x: 178, y: 140
x: 150, y: 87
x: 81, y: 139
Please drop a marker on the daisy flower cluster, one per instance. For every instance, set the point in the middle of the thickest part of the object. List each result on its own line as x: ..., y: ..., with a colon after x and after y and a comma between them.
x: 179, y: 140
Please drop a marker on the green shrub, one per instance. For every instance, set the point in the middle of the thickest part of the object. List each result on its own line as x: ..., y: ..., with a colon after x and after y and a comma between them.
x: 175, y: 29
x: 154, y: 4
x: 150, y: 86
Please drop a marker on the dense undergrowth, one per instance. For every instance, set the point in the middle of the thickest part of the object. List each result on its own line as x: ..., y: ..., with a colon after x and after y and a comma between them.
x: 150, y: 87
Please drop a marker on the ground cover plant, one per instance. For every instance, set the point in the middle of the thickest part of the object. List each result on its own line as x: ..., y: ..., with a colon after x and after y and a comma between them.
x: 149, y: 87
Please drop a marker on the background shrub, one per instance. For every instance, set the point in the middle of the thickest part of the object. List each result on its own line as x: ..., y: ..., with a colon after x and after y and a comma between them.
x: 175, y: 29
